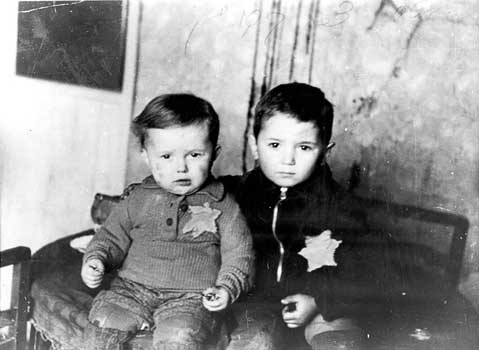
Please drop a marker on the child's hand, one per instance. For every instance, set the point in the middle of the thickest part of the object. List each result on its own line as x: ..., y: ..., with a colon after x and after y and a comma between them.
x: 92, y: 272
x: 303, y: 309
x: 215, y: 298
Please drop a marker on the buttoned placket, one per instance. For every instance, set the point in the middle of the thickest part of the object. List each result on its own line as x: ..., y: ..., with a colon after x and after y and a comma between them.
x: 171, y: 215
x: 174, y: 208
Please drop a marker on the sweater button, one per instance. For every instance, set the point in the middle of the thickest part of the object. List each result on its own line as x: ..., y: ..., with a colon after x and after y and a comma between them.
x: 169, y: 221
x: 184, y: 207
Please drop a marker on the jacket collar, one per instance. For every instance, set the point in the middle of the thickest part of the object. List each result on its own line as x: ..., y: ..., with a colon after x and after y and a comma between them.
x: 319, y: 183
x: 212, y: 188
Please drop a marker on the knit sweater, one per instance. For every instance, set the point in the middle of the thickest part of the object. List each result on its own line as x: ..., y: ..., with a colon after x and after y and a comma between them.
x: 177, y: 243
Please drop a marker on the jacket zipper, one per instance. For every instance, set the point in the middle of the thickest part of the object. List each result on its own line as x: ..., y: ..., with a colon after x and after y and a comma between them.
x: 282, y: 197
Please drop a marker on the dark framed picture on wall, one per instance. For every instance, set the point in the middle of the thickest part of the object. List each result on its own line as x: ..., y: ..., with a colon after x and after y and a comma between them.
x: 73, y: 42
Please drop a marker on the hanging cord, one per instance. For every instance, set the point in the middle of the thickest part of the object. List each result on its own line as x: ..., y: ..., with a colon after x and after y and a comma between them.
x: 282, y: 197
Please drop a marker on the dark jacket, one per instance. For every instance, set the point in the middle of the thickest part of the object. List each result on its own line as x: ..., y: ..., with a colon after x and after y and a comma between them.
x: 358, y: 283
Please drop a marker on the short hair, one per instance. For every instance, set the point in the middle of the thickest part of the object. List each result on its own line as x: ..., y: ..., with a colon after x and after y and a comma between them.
x: 303, y: 102
x: 182, y: 109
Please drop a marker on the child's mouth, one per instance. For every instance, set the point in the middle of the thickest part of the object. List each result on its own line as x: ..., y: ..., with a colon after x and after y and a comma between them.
x: 285, y: 174
x: 183, y: 182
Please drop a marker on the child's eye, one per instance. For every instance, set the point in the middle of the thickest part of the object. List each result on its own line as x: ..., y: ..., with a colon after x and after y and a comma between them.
x: 165, y: 156
x: 305, y: 148
x: 274, y: 144
x: 196, y: 154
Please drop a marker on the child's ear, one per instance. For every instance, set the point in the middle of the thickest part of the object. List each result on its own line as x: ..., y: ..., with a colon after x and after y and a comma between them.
x: 216, y: 153
x: 327, y: 151
x: 253, y: 146
x: 144, y: 156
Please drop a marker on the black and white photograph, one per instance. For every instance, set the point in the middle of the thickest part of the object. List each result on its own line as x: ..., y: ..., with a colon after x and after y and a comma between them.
x: 239, y: 175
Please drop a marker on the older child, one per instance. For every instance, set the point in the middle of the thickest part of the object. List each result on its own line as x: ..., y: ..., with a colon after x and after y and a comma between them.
x: 304, y: 226
x: 180, y: 243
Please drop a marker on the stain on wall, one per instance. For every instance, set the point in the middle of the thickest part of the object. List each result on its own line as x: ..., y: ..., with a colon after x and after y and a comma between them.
x: 403, y: 77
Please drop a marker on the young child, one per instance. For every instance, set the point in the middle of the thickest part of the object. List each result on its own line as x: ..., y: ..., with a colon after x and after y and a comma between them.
x: 303, y: 225
x: 180, y: 243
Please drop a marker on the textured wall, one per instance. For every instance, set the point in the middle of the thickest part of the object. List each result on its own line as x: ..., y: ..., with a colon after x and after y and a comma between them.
x: 403, y: 76
x: 59, y: 145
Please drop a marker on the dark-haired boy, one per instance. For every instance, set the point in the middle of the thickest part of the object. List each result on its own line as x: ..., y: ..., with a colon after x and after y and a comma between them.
x: 303, y: 224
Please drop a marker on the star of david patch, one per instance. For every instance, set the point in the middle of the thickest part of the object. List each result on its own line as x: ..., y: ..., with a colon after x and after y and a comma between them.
x: 203, y: 219
x: 319, y: 250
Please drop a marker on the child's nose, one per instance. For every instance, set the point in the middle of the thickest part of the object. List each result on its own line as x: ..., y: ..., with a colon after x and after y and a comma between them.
x: 182, y: 166
x: 288, y: 157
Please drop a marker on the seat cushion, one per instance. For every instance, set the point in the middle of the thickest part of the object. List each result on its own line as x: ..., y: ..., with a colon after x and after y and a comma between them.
x: 61, y: 303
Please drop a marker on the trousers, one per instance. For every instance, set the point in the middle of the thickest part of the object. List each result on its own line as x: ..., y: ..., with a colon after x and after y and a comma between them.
x: 178, y: 319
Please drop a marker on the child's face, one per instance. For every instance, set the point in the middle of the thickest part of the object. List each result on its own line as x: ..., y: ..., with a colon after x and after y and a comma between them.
x: 287, y: 149
x: 179, y: 158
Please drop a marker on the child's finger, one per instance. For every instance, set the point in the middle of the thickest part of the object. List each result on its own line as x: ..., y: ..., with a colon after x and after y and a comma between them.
x: 89, y: 282
x: 96, y: 280
x: 96, y: 265
x: 292, y: 319
x: 92, y: 284
x: 289, y: 308
x: 92, y: 281
x: 290, y: 316
x: 292, y: 325
x: 214, y: 305
x: 93, y: 274
x: 208, y: 306
x: 98, y: 270
x: 215, y: 298
x: 214, y: 308
x: 289, y: 299
x: 209, y: 290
